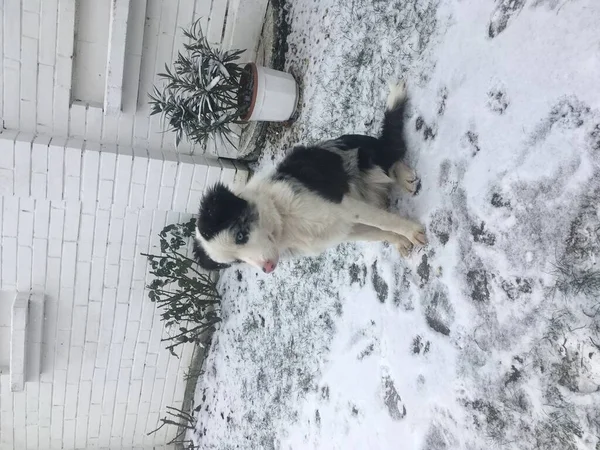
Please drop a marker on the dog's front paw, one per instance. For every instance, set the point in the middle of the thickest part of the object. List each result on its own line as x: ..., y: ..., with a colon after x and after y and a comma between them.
x: 404, y: 246
x: 418, y: 236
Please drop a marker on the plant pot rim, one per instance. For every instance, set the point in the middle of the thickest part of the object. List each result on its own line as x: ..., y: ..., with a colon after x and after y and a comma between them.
x: 248, y: 114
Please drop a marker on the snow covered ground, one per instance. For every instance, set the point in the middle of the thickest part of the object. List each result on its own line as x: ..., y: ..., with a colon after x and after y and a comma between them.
x: 490, y: 336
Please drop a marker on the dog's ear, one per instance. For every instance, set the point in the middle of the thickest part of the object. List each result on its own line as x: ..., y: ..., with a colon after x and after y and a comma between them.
x: 204, y: 260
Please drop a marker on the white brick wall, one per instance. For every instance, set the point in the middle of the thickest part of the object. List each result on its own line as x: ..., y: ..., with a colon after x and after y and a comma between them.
x: 74, y: 218
x: 37, y: 49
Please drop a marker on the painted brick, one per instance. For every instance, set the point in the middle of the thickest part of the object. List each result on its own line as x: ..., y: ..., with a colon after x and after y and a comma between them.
x: 145, y: 223
x: 55, y: 169
x: 44, y: 437
x: 45, y: 404
x: 153, y: 181
x: 98, y: 386
x: 61, y: 353
x: 140, y: 425
x: 45, y: 84
x: 34, y: 341
x: 30, y: 21
x: 69, y: 433
x: 123, y: 175
x: 86, y: 237
x: 89, y: 182
x: 94, y: 421
x: 183, y: 184
x: 66, y: 25
x: 110, y: 128
x: 48, y: 28
x: 71, y: 223
x: 133, y: 399
x: 114, y: 362
x: 19, y: 421
x: 57, y: 220
x: 24, y: 263
x: 60, y: 101
x: 78, y: 116
x: 71, y: 401
x: 73, y: 152
x: 59, y: 388
x: 101, y: 233
x: 26, y: 211
x: 94, y: 124
x: 140, y: 166
x: 82, y: 282
x: 32, y: 392
x: 125, y: 133
x: 69, y: 262
x: 97, y: 279
x: 38, y: 270
x: 81, y: 431
x: 138, y: 362
x: 12, y: 27
x: 72, y: 187
x: 78, y: 330
x: 9, y: 256
x: 22, y: 157
x: 89, y: 361
x: 111, y: 276
x: 124, y: 284
x: 93, y: 321
x: 116, y: 58
x: 12, y: 101
x: 110, y: 391
x: 128, y: 429
x: 17, y: 347
x: 108, y: 162
x: 29, y: 58
x: 10, y: 218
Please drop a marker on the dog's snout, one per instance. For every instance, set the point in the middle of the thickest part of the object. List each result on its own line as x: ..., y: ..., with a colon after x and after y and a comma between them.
x: 269, y: 266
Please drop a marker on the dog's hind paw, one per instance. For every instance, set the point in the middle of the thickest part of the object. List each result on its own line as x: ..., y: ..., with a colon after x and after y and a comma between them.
x: 407, y: 178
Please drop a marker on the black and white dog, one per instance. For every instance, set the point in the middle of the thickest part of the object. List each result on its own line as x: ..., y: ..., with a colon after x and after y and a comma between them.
x: 317, y: 197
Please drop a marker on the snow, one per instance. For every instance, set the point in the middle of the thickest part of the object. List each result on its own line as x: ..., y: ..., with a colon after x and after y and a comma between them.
x: 478, y: 341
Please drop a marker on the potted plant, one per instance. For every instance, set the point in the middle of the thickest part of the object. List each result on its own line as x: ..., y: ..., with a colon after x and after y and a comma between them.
x: 208, y: 91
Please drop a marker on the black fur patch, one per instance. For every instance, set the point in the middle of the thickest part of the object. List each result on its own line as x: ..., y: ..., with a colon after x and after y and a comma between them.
x: 369, y: 149
x: 204, y: 260
x: 318, y: 169
x: 220, y: 209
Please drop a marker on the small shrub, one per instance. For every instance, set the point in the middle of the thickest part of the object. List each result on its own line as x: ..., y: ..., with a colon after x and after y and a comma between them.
x: 188, y: 298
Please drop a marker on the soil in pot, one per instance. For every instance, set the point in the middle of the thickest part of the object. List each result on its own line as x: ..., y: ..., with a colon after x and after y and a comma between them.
x: 246, y: 91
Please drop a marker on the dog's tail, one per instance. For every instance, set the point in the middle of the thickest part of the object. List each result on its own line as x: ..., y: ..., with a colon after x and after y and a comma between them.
x: 392, y: 132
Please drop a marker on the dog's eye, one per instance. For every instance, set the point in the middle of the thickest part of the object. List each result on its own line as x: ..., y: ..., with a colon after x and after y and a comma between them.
x: 240, y: 237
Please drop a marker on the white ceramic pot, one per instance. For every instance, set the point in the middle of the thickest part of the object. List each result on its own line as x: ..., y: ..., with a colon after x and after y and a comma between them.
x: 274, y: 95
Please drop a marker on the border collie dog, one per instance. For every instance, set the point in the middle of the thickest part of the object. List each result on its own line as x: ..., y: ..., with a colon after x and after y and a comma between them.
x: 317, y: 197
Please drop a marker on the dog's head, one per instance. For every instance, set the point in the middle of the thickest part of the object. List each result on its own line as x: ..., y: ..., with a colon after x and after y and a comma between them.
x: 233, y: 229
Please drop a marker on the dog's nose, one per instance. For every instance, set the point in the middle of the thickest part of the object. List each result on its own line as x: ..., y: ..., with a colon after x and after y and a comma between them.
x: 268, y: 267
